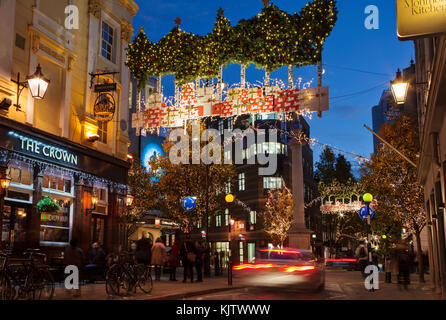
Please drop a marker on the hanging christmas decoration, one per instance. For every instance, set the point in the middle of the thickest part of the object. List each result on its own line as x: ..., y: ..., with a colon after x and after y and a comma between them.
x: 270, y: 40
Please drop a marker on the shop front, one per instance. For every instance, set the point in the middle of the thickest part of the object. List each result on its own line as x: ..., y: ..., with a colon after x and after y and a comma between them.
x: 40, y: 164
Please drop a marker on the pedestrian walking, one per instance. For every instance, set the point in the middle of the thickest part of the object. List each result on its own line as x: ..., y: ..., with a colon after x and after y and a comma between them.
x: 206, y: 260
x: 362, y: 254
x: 74, y: 256
x: 199, y: 260
x: 159, y: 257
x: 174, y: 261
x: 188, y: 255
x: 404, y: 264
x: 217, y: 264
x: 388, y: 269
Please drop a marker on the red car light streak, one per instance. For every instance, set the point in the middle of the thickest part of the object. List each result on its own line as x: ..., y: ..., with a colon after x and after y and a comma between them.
x: 280, y: 251
x: 297, y: 268
x: 253, y: 266
x: 340, y: 260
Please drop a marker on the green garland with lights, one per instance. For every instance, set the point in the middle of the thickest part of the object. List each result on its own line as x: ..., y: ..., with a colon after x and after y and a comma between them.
x: 270, y: 40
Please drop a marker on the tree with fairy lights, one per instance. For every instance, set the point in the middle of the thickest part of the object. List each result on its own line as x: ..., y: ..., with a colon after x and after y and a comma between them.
x: 278, y: 214
x: 393, y: 181
x: 166, y: 184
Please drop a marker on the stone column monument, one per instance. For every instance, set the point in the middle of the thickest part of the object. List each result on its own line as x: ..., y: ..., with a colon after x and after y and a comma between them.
x: 299, y: 235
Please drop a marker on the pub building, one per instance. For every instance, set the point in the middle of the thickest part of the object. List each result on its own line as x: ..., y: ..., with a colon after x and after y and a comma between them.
x: 41, y: 164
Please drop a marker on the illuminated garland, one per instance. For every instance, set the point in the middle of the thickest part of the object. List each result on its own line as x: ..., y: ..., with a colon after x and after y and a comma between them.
x: 270, y: 40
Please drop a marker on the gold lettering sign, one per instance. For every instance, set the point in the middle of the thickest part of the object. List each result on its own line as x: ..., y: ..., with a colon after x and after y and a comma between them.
x: 420, y: 18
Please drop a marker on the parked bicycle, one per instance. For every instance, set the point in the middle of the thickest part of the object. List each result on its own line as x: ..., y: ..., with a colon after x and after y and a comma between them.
x: 124, y: 275
x: 25, y: 278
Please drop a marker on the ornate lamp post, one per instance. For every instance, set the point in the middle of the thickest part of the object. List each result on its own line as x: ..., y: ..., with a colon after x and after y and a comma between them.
x: 368, y: 198
x: 36, y: 83
x: 229, y: 199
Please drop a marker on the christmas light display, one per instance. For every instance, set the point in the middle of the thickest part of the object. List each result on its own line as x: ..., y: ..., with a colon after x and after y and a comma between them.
x: 270, y: 40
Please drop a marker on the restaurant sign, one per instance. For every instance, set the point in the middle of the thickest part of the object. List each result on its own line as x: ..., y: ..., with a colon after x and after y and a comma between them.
x: 420, y: 18
x: 43, y: 150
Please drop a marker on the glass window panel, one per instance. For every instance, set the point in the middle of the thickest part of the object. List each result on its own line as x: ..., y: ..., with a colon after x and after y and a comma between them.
x: 60, y: 184
x: 46, y: 181
x: 26, y: 177
x: 14, y: 173
x: 53, y: 183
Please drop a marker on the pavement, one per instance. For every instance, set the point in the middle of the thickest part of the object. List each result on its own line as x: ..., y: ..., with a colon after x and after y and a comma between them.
x: 340, y: 285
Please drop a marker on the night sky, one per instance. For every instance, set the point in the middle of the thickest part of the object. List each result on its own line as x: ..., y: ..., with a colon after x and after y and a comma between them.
x: 350, y: 46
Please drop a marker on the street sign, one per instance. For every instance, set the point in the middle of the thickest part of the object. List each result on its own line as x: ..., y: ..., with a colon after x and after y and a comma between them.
x: 363, y: 213
x: 105, y: 87
x: 189, y: 203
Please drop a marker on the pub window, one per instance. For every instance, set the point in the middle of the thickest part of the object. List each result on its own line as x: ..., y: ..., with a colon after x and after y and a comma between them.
x: 241, y: 181
x: 55, y: 226
x: 107, y: 41
x: 56, y: 183
x: 102, y: 131
x: 218, y: 221
x: 20, y: 176
x: 253, y: 217
x: 226, y: 217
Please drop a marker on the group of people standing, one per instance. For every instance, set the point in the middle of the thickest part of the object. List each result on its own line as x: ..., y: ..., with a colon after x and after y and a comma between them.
x: 190, y: 255
x: 399, y: 262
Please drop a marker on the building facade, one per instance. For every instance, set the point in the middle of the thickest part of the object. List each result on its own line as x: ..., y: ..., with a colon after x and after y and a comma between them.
x: 430, y: 56
x: 245, y: 234
x: 59, y: 146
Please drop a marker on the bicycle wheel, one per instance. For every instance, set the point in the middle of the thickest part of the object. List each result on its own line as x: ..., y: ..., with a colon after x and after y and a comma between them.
x: 5, y: 287
x: 43, y: 282
x: 144, y: 278
x: 113, y: 280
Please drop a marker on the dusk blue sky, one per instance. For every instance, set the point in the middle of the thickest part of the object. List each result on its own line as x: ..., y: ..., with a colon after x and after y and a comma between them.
x: 350, y: 45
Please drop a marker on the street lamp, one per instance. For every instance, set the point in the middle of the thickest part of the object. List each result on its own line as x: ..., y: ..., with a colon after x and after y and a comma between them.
x: 399, y: 88
x: 94, y: 202
x: 5, y: 180
x: 36, y: 83
x: 229, y: 199
x: 368, y: 198
x: 129, y: 200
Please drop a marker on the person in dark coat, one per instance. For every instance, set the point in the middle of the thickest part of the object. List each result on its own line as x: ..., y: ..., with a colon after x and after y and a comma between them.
x: 174, y: 261
x: 143, y: 251
x: 96, y: 262
x: 403, y: 258
x: 217, y: 263
x: 199, y: 261
x: 186, y: 248
x: 74, y: 256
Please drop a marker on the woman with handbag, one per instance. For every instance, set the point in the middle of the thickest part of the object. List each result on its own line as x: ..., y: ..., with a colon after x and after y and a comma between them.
x: 159, y: 257
x: 188, y: 255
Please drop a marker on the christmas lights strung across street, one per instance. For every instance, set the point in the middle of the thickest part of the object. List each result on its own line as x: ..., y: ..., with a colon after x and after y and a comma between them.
x: 270, y: 40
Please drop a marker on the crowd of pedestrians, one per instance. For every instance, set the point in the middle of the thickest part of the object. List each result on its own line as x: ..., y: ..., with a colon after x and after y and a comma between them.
x: 400, y: 262
x: 192, y: 256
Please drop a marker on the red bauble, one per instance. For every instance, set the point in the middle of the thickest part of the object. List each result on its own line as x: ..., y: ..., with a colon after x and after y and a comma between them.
x: 210, y: 72
x: 151, y: 58
x: 251, y: 54
x: 172, y: 43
